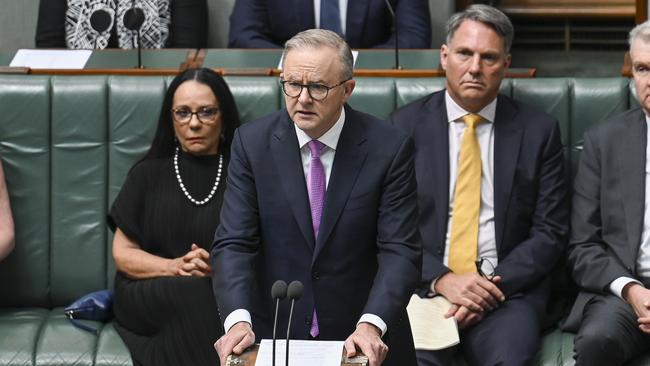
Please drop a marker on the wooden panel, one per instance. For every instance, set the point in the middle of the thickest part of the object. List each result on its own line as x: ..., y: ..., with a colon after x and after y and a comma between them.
x: 570, y: 8
x: 641, y: 11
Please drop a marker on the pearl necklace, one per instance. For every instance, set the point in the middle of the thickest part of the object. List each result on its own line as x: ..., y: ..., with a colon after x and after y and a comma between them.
x: 187, y: 194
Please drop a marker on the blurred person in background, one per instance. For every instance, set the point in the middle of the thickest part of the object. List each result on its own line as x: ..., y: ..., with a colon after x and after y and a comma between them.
x: 98, y: 24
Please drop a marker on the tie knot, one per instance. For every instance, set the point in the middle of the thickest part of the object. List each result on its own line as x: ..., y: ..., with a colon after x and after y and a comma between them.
x: 472, y: 120
x: 315, y: 148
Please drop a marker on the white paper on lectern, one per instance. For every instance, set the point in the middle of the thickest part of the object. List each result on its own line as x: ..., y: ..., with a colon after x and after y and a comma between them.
x: 51, y: 59
x: 312, y: 353
x: 355, y: 54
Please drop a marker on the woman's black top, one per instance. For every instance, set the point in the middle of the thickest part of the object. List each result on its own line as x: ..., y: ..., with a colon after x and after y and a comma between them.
x: 152, y: 210
x: 168, y: 321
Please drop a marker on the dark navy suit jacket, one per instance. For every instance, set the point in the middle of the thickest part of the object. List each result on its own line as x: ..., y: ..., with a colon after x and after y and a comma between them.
x: 367, y: 256
x: 270, y: 23
x: 530, y: 195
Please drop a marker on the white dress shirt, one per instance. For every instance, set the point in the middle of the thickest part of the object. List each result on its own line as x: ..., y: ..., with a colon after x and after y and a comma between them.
x: 330, y: 139
x: 343, y: 9
x: 487, y: 247
x: 643, y: 258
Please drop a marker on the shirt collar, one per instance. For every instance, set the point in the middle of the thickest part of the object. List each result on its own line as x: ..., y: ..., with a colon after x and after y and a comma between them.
x: 329, y: 138
x: 456, y: 112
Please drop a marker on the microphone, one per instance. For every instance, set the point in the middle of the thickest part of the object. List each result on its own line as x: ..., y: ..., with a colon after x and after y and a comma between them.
x: 294, y: 292
x: 278, y: 292
x: 392, y: 14
x: 100, y: 20
x: 133, y: 20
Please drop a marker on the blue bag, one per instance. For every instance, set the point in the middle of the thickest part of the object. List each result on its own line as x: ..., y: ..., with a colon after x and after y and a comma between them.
x: 93, y: 306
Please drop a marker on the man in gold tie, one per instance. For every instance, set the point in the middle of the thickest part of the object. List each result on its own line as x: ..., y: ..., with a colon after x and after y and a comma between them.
x: 491, y: 196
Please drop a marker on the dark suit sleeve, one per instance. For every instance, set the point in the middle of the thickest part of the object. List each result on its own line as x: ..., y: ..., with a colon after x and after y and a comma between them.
x: 189, y: 24
x: 399, y: 254
x: 533, y: 259
x: 236, y: 245
x: 413, y: 25
x: 250, y: 25
x: 432, y: 265
x: 50, y: 29
x: 593, y: 265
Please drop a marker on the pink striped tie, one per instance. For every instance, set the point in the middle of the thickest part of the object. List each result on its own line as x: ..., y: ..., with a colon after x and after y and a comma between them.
x: 316, y: 201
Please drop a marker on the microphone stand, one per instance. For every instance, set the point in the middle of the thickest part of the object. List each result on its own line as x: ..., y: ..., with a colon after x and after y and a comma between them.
x: 140, y: 66
x: 293, y: 301
x: 392, y: 14
x: 278, y: 292
x: 133, y: 20
x: 294, y: 293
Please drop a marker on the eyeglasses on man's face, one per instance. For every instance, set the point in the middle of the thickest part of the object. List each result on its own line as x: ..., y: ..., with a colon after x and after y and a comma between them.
x: 206, y: 115
x: 316, y: 91
x: 485, y: 268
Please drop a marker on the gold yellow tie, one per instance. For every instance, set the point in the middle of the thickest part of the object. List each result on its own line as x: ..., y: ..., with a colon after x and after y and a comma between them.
x: 463, y: 247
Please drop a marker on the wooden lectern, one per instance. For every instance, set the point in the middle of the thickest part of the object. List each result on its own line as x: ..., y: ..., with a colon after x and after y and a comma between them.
x: 250, y: 355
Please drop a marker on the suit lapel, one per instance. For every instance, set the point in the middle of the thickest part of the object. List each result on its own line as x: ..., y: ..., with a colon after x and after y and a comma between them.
x: 286, y: 153
x: 355, y: 19
x: 348, y: 161
x: 435, y: 155
x: 632, y: 165
x: 507, y: 141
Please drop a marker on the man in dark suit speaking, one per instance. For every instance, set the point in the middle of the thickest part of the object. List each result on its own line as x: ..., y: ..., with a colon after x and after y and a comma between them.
x: 609, y: 250
x: 491, y: 194
x: 326, y: 195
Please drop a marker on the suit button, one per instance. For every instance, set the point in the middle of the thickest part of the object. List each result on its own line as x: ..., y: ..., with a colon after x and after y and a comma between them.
x: 315, y: 275
x: 439, y: 251
x: 308, y: 320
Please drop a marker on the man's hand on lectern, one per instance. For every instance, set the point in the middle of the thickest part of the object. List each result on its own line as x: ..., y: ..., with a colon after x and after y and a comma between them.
x: 367, y: 338
x: 239, y: 337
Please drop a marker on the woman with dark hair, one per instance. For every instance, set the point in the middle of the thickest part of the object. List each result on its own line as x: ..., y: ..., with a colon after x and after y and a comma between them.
x: 164, y: 220
x: 98, y: 24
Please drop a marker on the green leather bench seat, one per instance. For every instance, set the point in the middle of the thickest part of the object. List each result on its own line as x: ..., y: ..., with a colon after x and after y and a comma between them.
x: 67, y: 143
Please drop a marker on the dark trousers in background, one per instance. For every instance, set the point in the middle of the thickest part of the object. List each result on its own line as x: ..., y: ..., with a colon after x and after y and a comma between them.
x: 609, y: 333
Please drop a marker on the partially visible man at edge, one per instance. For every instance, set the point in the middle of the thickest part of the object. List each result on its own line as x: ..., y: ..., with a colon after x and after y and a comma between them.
x: 609, y: 250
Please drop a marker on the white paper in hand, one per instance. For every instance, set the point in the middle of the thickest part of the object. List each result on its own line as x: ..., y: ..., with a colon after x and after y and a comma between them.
x: 431, y: 330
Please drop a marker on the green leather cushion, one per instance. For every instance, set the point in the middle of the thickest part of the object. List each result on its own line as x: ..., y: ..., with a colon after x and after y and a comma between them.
x: 550, y: 95
x: 255, y: 96
x: 111, y: 350
x: 25, y: 153
x: 134, y: 104
x: 78, y: 187
x: 36, y: 336
x: 19, y: 332
x: 592, y: 101
x: 374, y: 95
x: 61, y: 344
